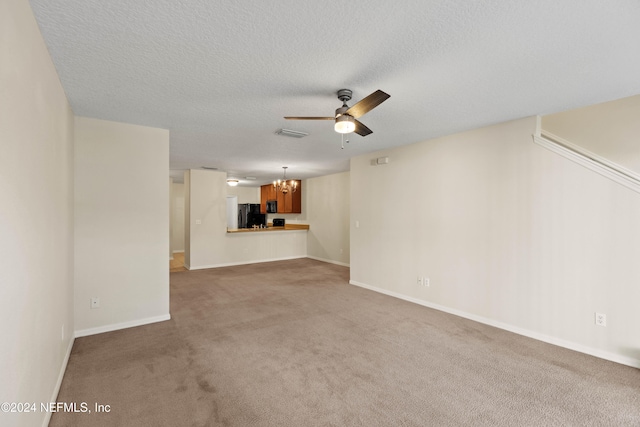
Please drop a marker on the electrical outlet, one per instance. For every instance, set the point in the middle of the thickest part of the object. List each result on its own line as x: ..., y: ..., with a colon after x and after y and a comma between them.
x: 95, y: 302
x: 601, y: 319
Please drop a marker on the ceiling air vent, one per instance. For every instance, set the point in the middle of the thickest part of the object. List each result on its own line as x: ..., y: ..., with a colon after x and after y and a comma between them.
x: 291, y: 133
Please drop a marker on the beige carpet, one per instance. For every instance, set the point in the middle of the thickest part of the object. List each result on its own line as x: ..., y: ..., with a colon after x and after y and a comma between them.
x: 291, y: 343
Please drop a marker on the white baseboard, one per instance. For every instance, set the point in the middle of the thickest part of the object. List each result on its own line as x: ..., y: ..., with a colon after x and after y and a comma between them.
x: 330, y: 261
x: 231, y: 264
x: 613, y: 357
x: 56, y: 389
x: 123, y: 325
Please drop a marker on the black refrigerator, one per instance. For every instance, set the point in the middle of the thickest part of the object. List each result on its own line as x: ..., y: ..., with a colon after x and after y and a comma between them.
x: 249, y: 215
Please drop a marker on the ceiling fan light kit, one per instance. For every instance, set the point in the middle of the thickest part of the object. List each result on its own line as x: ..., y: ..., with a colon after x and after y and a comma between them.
x: 345, y: 124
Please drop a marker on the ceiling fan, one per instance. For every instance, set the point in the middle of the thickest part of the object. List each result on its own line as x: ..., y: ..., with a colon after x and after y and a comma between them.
x: 346, y: 118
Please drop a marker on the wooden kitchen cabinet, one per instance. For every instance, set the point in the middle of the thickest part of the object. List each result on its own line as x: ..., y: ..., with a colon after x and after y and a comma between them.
x: 287, y: 203
x: 267, y: 192
x: 296, y: 200
x: 264, y: 196
x: 271, y: 192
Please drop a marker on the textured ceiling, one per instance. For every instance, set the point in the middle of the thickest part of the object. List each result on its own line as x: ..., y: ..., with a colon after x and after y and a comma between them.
x: 220, y: 75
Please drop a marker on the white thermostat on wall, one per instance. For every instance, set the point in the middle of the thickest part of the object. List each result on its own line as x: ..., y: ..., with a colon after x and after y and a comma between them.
x: 382, y: 160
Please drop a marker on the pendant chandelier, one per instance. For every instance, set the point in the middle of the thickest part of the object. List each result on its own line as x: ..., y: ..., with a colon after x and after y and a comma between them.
x: 284, y: 186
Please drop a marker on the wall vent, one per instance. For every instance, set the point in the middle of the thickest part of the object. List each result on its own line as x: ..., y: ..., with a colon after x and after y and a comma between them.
x: 291, y: 133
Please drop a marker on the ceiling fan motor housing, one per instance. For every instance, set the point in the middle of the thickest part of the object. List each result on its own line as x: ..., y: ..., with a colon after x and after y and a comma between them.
x: 340, y: 111
x: 344, y: 95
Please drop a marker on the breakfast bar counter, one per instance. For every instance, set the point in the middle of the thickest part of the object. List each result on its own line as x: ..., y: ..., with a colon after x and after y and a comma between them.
x: 270, y: 227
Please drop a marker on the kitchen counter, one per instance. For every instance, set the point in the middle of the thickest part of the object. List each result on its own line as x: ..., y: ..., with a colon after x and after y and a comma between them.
x: 270, y: 227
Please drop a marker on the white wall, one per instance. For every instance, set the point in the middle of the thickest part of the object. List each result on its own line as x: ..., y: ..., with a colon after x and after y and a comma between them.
x: 327, y: 211
x: 609, y: 130
x: 187, y: 218
x: 121, y: 225
x: 177, y: 217
x: 245, y: 194
x: 170, y: 218
x: 209, y: 244
x: 508, y: 232
x: 36, y: 217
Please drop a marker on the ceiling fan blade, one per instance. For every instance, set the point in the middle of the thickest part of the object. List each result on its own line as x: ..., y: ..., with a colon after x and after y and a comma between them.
x: 367, y: 104
x: 361, y: 129
x: 310, y: 118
